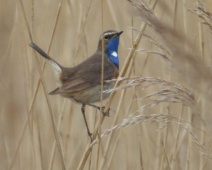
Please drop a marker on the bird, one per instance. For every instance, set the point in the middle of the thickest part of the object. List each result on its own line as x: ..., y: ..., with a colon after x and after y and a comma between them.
x: 82, y: 83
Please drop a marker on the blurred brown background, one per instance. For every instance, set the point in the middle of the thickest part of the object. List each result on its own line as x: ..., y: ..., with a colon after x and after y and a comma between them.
x: 69, y: 31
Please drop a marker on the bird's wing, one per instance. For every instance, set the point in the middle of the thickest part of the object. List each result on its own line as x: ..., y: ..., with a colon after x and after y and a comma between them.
x: 88, y: 75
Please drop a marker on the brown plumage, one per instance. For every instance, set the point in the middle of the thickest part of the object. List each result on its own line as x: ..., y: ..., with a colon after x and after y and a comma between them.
x: 77, y: 82
x: 82, y: 83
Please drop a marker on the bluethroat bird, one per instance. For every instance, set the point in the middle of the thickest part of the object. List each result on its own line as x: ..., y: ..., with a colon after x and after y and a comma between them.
x: 82, y: 83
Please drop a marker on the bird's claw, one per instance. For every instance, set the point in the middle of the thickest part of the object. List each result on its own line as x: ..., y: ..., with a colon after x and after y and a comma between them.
x: 105, y: 113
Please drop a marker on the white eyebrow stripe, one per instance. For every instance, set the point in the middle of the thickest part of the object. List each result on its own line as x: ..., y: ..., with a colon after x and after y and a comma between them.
x: 114, y: 54
x: 109, y: 33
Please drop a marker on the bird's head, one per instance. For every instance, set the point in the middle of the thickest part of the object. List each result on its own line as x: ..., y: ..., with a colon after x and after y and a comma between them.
x: 110, y: 41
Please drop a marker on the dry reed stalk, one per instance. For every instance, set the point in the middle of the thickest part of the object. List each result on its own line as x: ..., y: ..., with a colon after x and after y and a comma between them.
x: 204, y: 19
x: 205, y: 16
x: 102, y: 163
x: 20, y: 140
x: 159, y: 117
x: 140, y: 149
x: 178, y: 121
x: 54, y: 145
x: 201, y: 48
x: 112, y: 11
x: 185, y: 61
x: 129, y: 58
x: 175, y: 13
x: 174, y: 157
x: 83, y: 24
x: 163, y: 135
x: 114, y: 122
x: 169, y: 92
x: 164, y: 155
x: 111, y: 134
x: 189, y: 148
x: 192, y: 62
x: 10, y: 162
x: 64, y: 105
x: 165, y: 54
x: 142, y: 126
x: 4, y: 58
x: 119, y: 133
x: 43, y: 67
x: 46, y: 93
x: 102, y: 82
x: 122, y: 73
x: 108, y: 154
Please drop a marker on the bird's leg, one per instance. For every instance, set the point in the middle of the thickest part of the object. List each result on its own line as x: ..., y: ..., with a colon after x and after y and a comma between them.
x: 83, y: 113
x: 102, y: 110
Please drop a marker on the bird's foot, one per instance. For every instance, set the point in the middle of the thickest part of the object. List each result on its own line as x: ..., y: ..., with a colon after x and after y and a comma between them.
x: 101, y: 109
x: 105, y: 113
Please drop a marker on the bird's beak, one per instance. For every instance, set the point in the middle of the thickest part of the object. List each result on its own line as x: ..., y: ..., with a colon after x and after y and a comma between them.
x: 119, y: 33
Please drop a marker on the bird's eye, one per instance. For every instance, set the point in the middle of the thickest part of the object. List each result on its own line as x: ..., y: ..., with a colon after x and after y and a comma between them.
x: 107, y: 37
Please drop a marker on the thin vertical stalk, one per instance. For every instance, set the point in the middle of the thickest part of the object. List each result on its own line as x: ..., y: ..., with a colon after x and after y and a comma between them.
x: 189, y: 147
x: 102, y: 81
x: 111, y: 134
x: 173, y: 165
x: 44, y: 86
x: 82, y: 30
x: 122, y: 73
x: 201, y: 48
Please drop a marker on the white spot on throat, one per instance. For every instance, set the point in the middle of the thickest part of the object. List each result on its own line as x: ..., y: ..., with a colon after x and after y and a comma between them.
x: 114, y: 54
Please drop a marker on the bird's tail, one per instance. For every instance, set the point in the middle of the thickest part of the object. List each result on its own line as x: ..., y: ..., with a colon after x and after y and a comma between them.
x: 57, y: 68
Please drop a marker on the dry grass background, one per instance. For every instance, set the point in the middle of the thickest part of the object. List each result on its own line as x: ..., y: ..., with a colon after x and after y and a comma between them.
x: 161, y: 114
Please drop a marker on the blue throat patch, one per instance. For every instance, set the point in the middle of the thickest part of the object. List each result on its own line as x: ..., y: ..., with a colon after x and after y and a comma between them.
x: 112, y: 51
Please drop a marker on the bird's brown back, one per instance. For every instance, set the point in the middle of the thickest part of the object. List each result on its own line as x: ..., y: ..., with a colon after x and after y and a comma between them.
x: 86, y: 75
